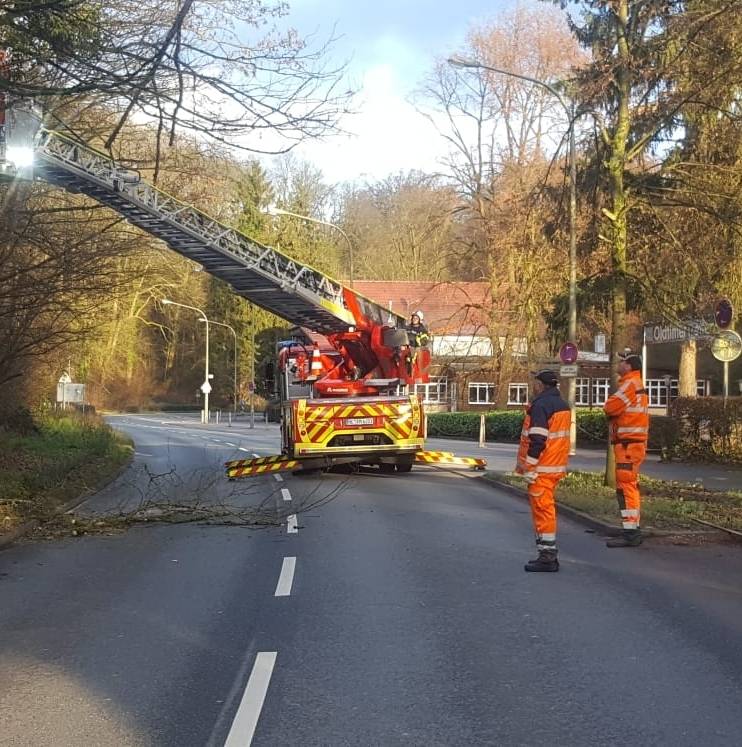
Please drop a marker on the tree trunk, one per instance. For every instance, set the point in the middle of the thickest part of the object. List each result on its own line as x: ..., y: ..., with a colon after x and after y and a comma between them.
x: 687, y: 374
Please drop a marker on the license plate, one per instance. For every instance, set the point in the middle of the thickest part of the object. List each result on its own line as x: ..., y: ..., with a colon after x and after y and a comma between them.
x: 359, y: 421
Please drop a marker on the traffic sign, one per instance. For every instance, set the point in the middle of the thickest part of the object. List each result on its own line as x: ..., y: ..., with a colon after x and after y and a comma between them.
x: 206, y: 387
x: 727, y: 346
x: 568, y: 372
x: 568, y: 353
x: 724, y: 313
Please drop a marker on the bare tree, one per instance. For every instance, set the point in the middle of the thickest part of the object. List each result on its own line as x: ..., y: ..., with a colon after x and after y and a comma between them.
x: 219, y: 68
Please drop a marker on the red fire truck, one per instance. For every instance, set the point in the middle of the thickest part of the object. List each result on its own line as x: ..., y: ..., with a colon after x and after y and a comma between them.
x: 347, y: 376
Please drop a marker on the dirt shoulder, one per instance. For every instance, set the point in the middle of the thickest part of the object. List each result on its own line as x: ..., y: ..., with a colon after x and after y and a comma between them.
x: 67, y: 457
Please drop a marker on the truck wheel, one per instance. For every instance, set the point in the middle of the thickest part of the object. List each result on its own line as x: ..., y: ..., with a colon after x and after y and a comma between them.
x: 404, y: 466
x: 386, y: 468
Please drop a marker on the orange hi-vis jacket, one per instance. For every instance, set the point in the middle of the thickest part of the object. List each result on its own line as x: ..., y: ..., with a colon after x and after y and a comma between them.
x: 544, y: 440
x: 628, y: 410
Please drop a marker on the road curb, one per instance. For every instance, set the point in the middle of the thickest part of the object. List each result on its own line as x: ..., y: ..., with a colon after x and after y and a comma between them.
x: 23, y: 530
x: 609, y: 530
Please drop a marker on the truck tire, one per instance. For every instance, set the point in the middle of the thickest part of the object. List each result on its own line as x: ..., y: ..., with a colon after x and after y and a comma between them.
x: 404, y: 466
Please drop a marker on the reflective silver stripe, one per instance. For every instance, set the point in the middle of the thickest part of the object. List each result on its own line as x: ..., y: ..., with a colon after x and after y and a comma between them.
x: 629, y: 524
x: 633, y: 430
x: 531, y: 460
x: 559, y: 434
x: 627, y: 512
x: 638, y: 408
x: 547, y: 537
x: 554, y: 470
x: 622, y: 396
x: 524, y: 432
x: 539, y: 431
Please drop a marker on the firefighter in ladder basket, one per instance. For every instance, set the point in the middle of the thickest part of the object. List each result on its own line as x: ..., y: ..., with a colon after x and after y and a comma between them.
x: 419, y: 337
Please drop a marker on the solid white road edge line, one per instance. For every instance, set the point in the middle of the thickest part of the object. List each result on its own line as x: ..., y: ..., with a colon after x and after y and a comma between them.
x: 291, y: 527
x: 242, y: 448
x: 285, y: 493
x: 278, y: 478
x: 229, y: 444
x: 248, y: 711
x: 286, y: 579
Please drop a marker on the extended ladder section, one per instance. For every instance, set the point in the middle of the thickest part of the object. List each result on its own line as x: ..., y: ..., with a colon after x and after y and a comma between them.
x: 265, y: 276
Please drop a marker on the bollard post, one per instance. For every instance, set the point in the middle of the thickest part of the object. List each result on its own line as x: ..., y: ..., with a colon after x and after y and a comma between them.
x: 482, y: 429
x: 230, y: 418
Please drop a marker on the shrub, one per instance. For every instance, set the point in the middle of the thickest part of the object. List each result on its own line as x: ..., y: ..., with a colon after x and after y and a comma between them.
x: 453, y: 425
x: 708, y: 429
x: 506, y: 425
x: 592, y: 427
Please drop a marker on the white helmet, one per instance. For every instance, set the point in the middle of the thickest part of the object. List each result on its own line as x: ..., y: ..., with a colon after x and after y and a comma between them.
x: 419, y: 315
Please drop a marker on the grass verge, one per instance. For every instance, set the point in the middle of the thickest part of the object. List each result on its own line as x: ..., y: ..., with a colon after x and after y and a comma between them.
x: 68, y: 457
x: 665, y: 505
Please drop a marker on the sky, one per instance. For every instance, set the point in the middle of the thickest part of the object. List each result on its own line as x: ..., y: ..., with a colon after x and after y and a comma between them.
x: 391, y: 46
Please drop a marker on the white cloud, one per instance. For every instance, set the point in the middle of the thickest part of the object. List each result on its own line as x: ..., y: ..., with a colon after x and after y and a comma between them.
x: 388, y: 134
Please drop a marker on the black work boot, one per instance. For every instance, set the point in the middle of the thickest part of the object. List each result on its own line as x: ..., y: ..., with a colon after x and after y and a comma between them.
x: 628, y: 538
x: 546, y: 562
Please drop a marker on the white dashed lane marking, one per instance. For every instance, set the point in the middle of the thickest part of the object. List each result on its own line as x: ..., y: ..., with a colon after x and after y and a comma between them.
x: 286, y: 579
x: 285, y: 493
x: 248, y: 712
x: 291, y: 526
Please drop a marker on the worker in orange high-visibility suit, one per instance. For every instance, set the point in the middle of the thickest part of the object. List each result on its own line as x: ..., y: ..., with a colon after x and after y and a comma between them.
x: 542, y: 459
x: 628, y: 413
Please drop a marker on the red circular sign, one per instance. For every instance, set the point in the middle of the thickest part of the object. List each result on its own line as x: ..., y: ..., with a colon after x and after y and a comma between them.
x: 568, y: 353
x: 724, y: 313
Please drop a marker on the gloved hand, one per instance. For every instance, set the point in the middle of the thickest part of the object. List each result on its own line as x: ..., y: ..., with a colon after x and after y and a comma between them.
x: 530, y: 476
x: 519, y: 469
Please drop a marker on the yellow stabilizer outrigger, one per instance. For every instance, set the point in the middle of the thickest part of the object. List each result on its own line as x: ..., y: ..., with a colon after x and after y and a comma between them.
x: 447, y: 458
x: 267, y: 465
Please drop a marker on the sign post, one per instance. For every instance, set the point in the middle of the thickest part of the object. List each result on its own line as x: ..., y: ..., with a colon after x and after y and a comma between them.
x: 568, y: 356
x: 724, y: 313
x: 726, y: 347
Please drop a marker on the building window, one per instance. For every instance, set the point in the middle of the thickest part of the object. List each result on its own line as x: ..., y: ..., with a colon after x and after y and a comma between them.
x: 435, y: 391
x: 481, y: 394
x: 703, y: 388
x: 600, y: 391
x: 657, y: 391
x: 582, y: 392
x: 517, y: 394
x: 673, y: 388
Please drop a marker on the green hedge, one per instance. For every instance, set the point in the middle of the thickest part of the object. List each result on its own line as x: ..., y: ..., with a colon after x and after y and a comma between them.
x: 506, y: 425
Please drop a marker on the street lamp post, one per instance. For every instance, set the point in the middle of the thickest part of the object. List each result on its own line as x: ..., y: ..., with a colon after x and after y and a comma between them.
x: 206, y: 387
x: 234, y: 335
x: 252, y: 366
x: 569, y: 110
x: 279, y: 211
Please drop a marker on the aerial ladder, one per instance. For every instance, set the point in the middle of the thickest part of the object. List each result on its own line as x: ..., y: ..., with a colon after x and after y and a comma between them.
x: 346, y: 379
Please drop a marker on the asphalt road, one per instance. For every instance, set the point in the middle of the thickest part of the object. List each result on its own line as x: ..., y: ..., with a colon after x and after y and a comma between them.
x: 404, y: 618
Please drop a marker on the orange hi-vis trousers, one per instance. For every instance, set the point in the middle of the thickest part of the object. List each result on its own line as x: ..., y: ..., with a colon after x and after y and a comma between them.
x: 629, y: 457
x: 543, y: 509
